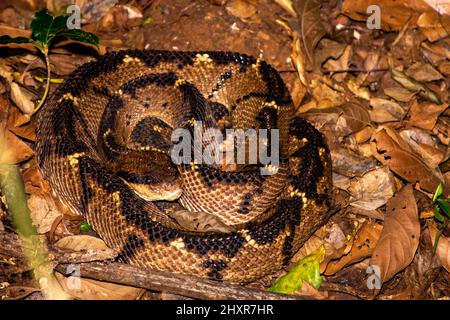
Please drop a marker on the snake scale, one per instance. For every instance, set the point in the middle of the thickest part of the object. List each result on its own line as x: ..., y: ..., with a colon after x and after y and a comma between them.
x: 103, y: 139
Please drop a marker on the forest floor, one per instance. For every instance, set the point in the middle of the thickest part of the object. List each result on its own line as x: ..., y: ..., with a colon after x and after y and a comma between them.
x: 378, y: 93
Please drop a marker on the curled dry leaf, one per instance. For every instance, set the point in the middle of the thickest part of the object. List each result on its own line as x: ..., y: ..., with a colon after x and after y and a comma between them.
x: 399, y: 93
x: 444, y: 67
x: 332, y: 238
x: 352, y: 116
x: 21, y: 98
x: 355, y: 87
x: 425, y: 115
x: 308, y: 290
x: 329, y: 49
x: 43, y: 212
x: 324, y: 95
x: 298, y: 60
x: 423, y: 72
x: 384, y: 110
x: 424, y: 145
x: 287, y: 5
x: 372, y: 190
x: 432, y: 25
x: 399, y: 238
x: 415, y: 86
x: 311, y: 26
x: 89, y: 289
x: 18, y: 150
x: 443, y: 247
x: 339, y: 64
x: 81, y: 242
x: 362, y: 247
x: 350, y: 164
x: 392, y: 150
x: 20, y: 124
x: 398, y: 13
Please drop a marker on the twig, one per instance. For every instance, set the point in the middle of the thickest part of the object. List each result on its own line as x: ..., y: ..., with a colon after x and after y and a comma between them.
x: 188, y: 286
x: 47, y: 86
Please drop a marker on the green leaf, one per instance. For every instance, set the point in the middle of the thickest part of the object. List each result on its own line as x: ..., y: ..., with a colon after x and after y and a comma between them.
x: 445, y: 206
x: 148, y: 20
x: 45, y: 27
x: 438, y: 192
x: 436, y: 241
x: 438, y: 215
x: 85, y: 227
x: 7, y: 39
x: 41, y: 79
x: 307, y: 269
x: 80, y: 36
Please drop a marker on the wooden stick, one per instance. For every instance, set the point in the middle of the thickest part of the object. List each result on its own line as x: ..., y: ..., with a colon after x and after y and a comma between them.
x: 188, y: 286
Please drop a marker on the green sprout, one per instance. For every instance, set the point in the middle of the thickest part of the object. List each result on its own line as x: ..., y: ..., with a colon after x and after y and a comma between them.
x: 45, y: 28
x: 441, y: 212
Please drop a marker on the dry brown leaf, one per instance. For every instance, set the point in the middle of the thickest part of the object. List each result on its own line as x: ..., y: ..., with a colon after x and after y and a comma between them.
x: 312, y: 27
x: 431, y: 24
x: 328, y: 49
x: 352, y: 116
x: 424, y: 145
x: 351, y: 164
x: 363, y: 135
x: 394, y: 14
x: 415, y: 86
x: 20, y: 124
x: 444, y: 67
x: 245, y: 10
x: 33, y: 180
x: 399, y: 93
x: 443, y: 247
x: 355, y: 87
x: 372, y: 190
x: 399, y: 238
x: 324, y: 95
x: 439, y: 6
x: 332, y: 238
x: 309, y: 291
x: 385, y: 110
x: 364, y: 243
x: 43, y: 212
x: 89, y: 289
x: 425, y: 115
x: 287, y: 5
x: 21, y: 98
x: 339, y: 64
x: 403, y: 161
x: 19, y: 150
x: 423, y: 72
x: 82, y: 242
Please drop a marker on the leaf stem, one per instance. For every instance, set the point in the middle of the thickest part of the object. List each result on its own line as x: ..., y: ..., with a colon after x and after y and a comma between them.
x: 47, y: 86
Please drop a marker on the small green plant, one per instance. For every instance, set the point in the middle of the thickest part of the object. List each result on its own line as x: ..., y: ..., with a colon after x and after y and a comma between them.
x: 45, y: 28
x: 85, y: 227
x: 441, y: 212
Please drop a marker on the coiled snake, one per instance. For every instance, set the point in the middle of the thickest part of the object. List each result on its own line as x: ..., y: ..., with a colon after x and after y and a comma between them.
x: 103, y: 143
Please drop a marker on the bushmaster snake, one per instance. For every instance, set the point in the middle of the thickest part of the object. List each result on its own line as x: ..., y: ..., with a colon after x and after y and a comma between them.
x: 103, y: 143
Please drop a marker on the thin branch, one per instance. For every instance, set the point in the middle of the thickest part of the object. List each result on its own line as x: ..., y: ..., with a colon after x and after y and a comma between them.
x: 188, y: 286
x: 47, y: 86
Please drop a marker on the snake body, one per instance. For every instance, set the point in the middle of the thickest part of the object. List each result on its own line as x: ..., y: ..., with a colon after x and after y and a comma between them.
x: 104, y: 133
